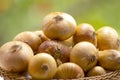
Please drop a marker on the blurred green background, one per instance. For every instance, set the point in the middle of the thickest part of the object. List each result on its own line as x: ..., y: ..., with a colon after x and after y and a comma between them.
x: 26, y: 15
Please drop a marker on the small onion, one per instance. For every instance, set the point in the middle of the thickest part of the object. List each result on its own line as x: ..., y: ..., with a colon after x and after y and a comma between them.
x: 30, y: 38
x: 58, y: 25
x: 59, y: 51
x: 84, y: 54
x: 42, y: 66
x: 15, y: 55
x: 69, y: 71
x: 95, y: 71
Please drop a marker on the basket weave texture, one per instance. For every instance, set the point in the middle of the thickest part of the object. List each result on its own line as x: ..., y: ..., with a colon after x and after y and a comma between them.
x: 114, y: 75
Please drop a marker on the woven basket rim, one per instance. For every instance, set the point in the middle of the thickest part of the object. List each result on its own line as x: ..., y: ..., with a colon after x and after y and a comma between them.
x: 113, y: 75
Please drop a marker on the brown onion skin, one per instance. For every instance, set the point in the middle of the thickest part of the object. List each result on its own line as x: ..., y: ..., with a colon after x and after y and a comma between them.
x: 15, y: 56
x: 30, y: 38
x: 57, y: 50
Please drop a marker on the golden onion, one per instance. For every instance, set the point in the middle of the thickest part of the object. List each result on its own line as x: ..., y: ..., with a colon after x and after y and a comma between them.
x: 42, y: 66
x: 84, y: 54
x: 109, y: 59
x: 95, y: 71
x: 15, y: 55
x: 107, y: 38
x: 85, y: 32
x: 58, y: 25
x: 30, y: 38
x: 69, y: 71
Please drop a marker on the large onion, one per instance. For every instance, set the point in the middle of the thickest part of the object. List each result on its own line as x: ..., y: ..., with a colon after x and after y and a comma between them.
x: 59, y: 51
x: 107, y: 38
x: 109, y: 59
x: 84, y: 54
x: 85, y: 32
x: 69, y: 71
x: 42, y: 66
x: 15, y: 55
x: 59, y: 25
x: 30, y: 38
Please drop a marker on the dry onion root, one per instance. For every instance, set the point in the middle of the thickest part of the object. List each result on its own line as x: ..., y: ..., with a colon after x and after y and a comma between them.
x: 69, y: 71
x: 58, y: 25
x: 15, y: 55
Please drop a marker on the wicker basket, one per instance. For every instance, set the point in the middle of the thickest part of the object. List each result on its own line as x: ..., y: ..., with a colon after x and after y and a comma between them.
x: 114, y: 75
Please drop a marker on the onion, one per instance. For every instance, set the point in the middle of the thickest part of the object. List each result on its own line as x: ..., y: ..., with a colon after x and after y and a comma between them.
x: 58, y: 25
x: 41, y: 35
x: 95, y: 71
x: 107, y: 38
x: 30, y: 38
x: 109, y: 59
x: 42, y: 66
x: 68, y: 42
x: 69, y: 71
x: 85, y: 32
x: 59, y: 51
x: 84, y: 54
x: 15, y: 55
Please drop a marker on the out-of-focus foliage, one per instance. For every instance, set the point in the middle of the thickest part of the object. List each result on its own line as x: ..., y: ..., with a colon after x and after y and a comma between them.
x: 23, y: 15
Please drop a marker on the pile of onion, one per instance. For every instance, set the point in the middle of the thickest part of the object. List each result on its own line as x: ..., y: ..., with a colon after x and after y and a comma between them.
x: 62, y: 50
